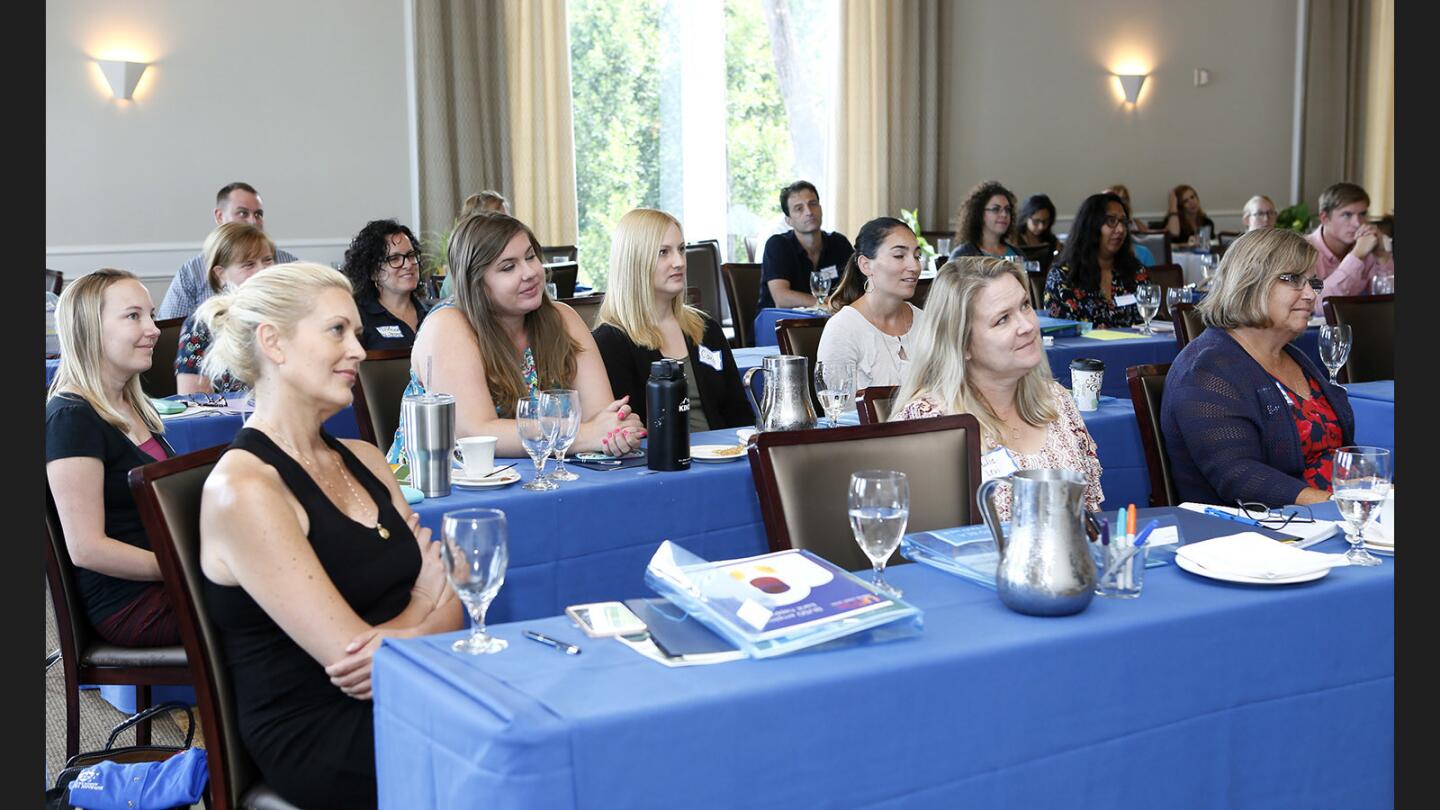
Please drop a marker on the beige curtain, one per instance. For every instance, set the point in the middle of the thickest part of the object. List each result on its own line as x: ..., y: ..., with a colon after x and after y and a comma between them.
x: 542, y: 141
x: 1379, y: 149
x: 889, y: 146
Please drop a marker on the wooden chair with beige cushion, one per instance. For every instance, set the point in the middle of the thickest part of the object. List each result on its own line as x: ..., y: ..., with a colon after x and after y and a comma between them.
x: 1158, y: 243
x: 1188, y: 324
x: 159, y: 380
x: 559, y: 253
x: 742, y: 291
x: 380, y: 383
x: 562, y: 275
x: 1372, y: 335
x: 1147, y: 383
x: 802, y: 477
x: 1167, y: 277
x: 802, y: 336
x: 168, y: 495
x: 874, y: 404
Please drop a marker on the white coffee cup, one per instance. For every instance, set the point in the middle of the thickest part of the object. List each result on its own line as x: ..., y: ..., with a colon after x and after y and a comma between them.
x: 478, y: 454
x: 1086, y: 377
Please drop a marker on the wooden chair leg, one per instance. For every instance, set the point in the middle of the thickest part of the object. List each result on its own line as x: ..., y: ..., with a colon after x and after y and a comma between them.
x: 72, y: 716
x: 142, y: 702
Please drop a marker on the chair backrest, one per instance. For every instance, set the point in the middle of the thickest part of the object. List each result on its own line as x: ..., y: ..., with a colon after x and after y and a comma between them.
x: 1147, y: 383
x: 70, y: 622
x: 874, y: 404
x: 563, y: 275
x: 1037, y: 253
x: 1035, y: 282
x: 802, y: 336
x: 1188, y: 325
x: 1225, y: 238
x: 54, y: 280
x: 802, y: 477
x: 1167, y: 276
x: 379, y: 387
x: 559, y: 253
x: 1372, y: 335
x: 587, y: 307
x: 742, y: 290
x: 752, y: 246
x: 1158, y: 243
x: 168, y: 496
x: 159, y: 380
x: 922, y: 291
x: 702, y: 271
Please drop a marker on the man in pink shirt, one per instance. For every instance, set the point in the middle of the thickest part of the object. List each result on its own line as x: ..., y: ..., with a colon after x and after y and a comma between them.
x: 1351, y: 250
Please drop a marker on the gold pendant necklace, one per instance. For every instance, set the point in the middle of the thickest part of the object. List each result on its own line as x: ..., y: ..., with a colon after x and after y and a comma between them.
x: 356, y: 500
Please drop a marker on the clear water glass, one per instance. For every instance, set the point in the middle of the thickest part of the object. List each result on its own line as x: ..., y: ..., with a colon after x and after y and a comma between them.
x: 1209, y: 266
x: 537, y: 426
x: 1147, y: 300
x: 1334, y: 348
x: 819, y: 287
x: 551, y: 290
x: 1382, y: 284
x: 1360, y: 480
x: 1175, y: 295
x: 879, y: 507
x: 1032, y: 266
x: 475, y: 550
x: 567, y: 413
x: 942, y: 246
x: 834, y: 385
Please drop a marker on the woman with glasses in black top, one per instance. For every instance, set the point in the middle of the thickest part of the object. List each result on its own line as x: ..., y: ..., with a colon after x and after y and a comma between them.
x: 985, y: 222
x: 1095, y: 276
x: 383, y: 265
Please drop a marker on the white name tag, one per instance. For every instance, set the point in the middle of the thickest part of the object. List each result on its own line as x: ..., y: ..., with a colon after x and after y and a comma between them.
x: 1163, y: 536
x: 389, y: 331
x: 711, y: 358
x: 829, y: 272
x: 997, y: 463
x: 1125, y: 300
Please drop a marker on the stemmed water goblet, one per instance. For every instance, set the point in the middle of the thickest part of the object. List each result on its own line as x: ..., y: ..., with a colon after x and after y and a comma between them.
x: 819, y: 287
x: 1147, y: 300
x: 567, y: 413
x: 834, y: 386
x: 474, y: 546
x: 879, y: 506
x: 1209, y: 267
x: 1175, y: 295
x: 537, y: 426
x: 1334, y: 348
x: 1360, y: 478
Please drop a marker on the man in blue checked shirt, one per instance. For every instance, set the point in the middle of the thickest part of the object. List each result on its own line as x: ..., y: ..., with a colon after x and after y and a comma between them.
x: 236, y: 202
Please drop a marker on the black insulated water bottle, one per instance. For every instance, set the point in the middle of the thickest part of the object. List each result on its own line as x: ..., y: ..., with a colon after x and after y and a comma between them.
x: 668, y: 409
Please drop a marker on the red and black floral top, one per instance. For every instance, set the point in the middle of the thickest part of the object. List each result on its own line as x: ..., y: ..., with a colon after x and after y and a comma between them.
x: 1320, y: 433
x: 1062, y: 300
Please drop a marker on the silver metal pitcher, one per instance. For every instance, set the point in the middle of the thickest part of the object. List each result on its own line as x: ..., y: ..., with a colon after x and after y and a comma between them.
x: 1045, y: 566
x: 786, y: 403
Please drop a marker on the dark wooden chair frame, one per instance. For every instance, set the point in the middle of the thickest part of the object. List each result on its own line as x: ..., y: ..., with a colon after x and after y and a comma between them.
x: 159, y: 379
x: 362, y: 407
x: 865, y: 402
x: 1160, y: 494
x: 772, y: 511
x: 742, y: 325
x: 782, y: 337
x: 1328, y: 306
x: 1177, y: 317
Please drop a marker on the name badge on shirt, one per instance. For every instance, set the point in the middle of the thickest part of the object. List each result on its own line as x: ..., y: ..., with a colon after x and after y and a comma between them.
x: 997, y: 463
x: 389, y: 331
x: 711, y: 358
x: 829, y: 272
x: 1127, y: 300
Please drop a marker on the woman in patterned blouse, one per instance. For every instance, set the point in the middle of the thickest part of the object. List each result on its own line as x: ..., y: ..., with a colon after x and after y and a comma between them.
x: 501, y: 338
x: 979, y: 352
x: 234, y: 252
x: 1095, y: 276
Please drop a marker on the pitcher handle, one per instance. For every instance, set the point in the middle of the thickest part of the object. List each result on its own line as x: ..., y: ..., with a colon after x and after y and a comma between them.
x: 985, y: 499
x: 1092, y: 526
x: 750, y: 395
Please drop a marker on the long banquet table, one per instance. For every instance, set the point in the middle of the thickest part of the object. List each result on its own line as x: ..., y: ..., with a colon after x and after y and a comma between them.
x: 1197, y: 694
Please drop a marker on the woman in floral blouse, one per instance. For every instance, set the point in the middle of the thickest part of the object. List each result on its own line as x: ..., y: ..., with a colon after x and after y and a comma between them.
x: 234, y: 252
x: 1095, y: 276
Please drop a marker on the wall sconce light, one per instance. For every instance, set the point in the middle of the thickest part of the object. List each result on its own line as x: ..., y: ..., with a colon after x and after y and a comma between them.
x: 1131, y: 84
x: 122, y: 76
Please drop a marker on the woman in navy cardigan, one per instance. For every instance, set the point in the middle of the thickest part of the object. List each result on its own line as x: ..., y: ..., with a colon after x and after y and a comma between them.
x: 644, y: 317
x: 1247, y: 416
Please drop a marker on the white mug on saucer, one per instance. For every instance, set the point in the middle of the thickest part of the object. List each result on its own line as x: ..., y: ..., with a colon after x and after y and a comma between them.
x: 478, y: 454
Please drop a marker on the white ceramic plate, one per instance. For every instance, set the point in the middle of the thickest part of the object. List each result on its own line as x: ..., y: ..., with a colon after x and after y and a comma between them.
x: 506, y: 478
x: 717, y: 452
x: 1205, y: 572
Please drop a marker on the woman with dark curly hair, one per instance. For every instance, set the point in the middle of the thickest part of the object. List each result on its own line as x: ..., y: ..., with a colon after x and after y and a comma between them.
x: 1037, y: 218
x: 1094, y: 277
x: 984, y: 222
x: 383, y: 265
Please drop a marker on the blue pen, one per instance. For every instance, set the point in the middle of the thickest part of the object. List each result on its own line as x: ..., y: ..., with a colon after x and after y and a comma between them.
x: 1220, y: 513
x: 1145, y: 532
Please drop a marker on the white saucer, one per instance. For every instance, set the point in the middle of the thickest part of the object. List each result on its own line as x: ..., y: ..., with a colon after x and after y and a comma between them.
x: 1241, y: 578
x: 713, y: 452
x: 744, y: 434
x: 460, y: 479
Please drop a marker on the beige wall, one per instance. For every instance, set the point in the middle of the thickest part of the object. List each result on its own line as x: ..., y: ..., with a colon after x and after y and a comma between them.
x: 305, y: 100
x: 1031, y: 102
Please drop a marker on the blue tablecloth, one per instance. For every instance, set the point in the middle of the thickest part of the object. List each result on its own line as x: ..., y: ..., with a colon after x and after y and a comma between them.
x: 1374, y: 407
x: 52, y: 365
x: 765, y: 323
x: 208, y: 428
x: 1197, y: 694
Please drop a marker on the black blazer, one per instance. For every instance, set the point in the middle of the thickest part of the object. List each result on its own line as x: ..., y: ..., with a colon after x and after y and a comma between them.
x: 721, y: 393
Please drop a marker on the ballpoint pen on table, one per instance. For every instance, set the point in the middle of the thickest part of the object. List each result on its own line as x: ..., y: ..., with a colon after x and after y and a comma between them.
x: 567, y: 648
x: 1221, y: 513
x: 1145, y: 532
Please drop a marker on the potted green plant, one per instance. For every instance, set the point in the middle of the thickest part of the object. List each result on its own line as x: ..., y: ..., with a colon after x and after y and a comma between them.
x: 1295, y: 218
x: 912, y: 218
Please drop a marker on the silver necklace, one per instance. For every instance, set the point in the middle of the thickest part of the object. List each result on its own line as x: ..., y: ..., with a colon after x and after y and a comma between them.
x: 355, y: 498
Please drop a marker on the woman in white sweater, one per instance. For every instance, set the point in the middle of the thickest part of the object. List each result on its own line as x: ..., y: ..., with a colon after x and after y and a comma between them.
x: 873, y: 319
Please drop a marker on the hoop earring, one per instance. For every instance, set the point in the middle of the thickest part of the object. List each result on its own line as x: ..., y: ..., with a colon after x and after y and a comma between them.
x: 868, y: 285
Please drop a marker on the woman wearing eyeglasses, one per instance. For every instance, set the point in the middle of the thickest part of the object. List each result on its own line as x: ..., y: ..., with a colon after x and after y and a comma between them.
x: 985, y: 222
x: 383, y: 265
x: 1095, y: 276
x: 1246, y: 416
x: 1037, y: 219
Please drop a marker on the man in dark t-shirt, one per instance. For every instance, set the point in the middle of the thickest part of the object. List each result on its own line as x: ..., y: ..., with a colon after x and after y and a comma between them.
x: 792, y: 256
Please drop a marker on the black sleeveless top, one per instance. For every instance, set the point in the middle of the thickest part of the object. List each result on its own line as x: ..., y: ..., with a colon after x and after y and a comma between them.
x: 314, y: 744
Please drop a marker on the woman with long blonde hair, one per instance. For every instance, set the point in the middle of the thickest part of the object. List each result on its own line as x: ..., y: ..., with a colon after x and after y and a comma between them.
x: 979, y: 352
x: 500, y: 339
x: 98, y: 426
x: 644, y: 318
